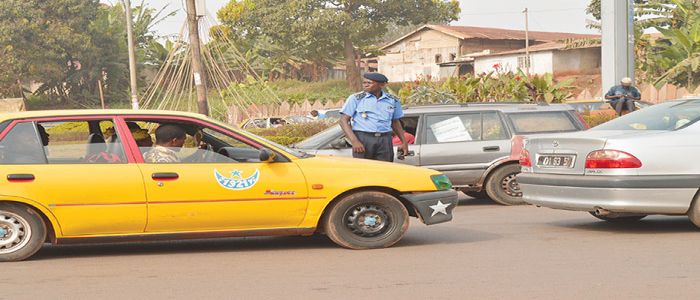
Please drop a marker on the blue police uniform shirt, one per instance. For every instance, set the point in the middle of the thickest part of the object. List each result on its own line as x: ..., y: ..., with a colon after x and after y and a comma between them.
x: 370, y: 114
x: 621, y: 90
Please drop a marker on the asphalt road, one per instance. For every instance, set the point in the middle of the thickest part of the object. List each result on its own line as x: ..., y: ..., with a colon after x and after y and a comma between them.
x: 487, y: 252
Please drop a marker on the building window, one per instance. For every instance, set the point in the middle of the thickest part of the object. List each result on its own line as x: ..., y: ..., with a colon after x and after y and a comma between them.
x: 524, y: 62
x: 438, y: 58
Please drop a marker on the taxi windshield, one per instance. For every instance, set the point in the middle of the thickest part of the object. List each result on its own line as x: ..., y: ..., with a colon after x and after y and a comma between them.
x: 665, y: 116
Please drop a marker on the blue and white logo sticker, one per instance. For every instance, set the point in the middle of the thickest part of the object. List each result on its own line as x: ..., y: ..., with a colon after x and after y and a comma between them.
x: 236, y: 181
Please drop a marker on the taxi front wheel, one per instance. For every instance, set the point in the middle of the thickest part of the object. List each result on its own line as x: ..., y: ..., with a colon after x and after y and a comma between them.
x: 366, y: 220
x: 22, y: 232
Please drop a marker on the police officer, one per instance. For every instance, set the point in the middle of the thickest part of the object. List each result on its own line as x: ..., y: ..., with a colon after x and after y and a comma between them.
x: 369, y: 117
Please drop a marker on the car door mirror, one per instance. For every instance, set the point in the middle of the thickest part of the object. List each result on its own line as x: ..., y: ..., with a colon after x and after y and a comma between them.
x: 266, y: 155
x: 339, y: 144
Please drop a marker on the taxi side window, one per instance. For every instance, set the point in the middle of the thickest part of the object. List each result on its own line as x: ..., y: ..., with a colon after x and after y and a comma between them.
x: 22, y: 145
x: 183, y: 142
x: 80, y: 142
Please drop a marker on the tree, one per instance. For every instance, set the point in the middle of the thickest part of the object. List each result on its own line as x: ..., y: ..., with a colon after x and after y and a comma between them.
x: 321, y: 29
x: 680, y: 57
x: 71, y: 46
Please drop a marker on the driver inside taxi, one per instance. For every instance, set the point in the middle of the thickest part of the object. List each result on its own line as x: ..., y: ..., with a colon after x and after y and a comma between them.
x: 169, y: 140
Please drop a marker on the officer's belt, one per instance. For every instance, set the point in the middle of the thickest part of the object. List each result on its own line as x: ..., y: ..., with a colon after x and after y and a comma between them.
x: 375, y: 133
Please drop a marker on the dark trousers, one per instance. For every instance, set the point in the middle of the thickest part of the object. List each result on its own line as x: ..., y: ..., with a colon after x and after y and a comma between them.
x: 624, y: 103
x: 378, y: 146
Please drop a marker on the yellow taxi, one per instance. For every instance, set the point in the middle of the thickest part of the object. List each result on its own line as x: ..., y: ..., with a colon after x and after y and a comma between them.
x: 120, y: 175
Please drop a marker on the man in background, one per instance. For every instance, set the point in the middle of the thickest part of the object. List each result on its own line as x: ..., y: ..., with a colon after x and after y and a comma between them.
x: 622, y: 96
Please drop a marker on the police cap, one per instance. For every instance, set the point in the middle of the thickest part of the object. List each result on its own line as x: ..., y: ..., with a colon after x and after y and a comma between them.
x: 376, y: 77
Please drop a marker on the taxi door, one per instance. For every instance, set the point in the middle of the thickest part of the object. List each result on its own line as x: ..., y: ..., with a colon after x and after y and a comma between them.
x: 231, y: 195
x: 87, y: 198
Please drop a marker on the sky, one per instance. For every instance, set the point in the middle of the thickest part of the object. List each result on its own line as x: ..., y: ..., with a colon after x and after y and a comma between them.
x: 545, y: 15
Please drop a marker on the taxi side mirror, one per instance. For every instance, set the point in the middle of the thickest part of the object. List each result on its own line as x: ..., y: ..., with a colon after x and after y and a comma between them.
x: 266, y: 155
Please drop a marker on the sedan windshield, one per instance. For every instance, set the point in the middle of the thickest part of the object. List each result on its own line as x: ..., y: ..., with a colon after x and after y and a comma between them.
x: 666, y: 116
x: 320, y: 139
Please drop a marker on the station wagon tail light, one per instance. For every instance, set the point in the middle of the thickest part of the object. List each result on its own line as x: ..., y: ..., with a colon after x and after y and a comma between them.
x: 442, y: 182
x: 612, y: 159
x: 525, y: 160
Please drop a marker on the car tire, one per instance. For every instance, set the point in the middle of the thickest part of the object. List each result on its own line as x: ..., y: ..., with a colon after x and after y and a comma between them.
x: 619, y: 218
x: 694, y: 211
x: 22, y: 232
x: 502, y: 186
x: 366, y: 220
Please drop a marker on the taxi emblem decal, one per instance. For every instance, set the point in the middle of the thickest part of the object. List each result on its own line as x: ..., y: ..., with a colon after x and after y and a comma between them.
x: 236, y: 181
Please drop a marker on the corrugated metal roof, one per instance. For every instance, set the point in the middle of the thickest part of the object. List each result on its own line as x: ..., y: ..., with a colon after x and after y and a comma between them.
x: 470, y: 32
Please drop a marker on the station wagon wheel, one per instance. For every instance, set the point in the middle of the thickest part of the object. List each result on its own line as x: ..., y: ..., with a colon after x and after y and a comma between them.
x: 502, y: 185
x: 366, y: 220
x: 22, y: 232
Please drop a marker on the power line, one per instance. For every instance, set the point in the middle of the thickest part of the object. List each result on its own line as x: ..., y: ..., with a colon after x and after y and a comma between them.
x: 520, y: 12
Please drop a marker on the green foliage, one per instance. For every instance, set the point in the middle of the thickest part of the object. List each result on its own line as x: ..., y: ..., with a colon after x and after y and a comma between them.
x: 70, y: 45
x: 680, y: 56
x: 495, y: 86
x: 292, y: 133
x: 288, y: 34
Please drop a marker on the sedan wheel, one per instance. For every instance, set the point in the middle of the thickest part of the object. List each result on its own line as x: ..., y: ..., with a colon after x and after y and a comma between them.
x: 22, y: 232
x: 366, y: 220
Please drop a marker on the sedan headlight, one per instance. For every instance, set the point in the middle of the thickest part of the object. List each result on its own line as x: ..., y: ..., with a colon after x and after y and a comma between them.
x: 441, y: 182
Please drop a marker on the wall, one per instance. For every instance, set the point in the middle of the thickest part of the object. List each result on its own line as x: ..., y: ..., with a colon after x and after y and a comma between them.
x: 478, y: 45
x: 541, y: 62
x: 585, y: 61
x: 415, y: 55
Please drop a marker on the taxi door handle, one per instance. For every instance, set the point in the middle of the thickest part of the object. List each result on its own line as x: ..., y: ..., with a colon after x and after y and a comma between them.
x: 20, y: 177
x: 165, y: 176
x: 491, y: 148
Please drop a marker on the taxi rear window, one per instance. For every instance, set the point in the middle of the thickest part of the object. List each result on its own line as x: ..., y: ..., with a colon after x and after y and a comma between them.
x: 542, y: 122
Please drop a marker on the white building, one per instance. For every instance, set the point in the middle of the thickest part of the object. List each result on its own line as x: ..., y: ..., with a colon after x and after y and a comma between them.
x: 552, y: 57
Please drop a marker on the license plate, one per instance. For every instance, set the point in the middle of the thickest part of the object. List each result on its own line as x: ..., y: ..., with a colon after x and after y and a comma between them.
x: 556, y: 161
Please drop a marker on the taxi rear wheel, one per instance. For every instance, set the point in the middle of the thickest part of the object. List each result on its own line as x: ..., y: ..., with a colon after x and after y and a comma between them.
x: 366, y: 220
x: 22, y: 232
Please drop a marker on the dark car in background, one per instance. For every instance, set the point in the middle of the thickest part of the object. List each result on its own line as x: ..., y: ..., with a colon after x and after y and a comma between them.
x: 476, y: 145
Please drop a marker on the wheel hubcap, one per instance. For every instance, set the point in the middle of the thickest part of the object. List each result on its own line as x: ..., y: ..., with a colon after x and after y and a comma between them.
x: 367, y: 220
x: 510, y: 186
x: 14, y: 232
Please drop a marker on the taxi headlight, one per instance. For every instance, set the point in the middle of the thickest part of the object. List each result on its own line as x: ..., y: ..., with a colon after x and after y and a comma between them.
x: 441, y: 182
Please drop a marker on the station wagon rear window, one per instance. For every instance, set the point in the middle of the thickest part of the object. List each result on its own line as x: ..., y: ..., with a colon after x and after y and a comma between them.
x: 542, y: 122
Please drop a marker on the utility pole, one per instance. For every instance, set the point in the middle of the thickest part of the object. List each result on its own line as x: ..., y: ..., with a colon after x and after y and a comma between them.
x: 527, y: 43
x: 197, y: 66
x: 132, y: 54
x: 617, y: 24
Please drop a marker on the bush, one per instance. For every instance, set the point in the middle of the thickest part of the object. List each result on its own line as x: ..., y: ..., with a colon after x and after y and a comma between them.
x: 292, y: 133
x: 596, y: 118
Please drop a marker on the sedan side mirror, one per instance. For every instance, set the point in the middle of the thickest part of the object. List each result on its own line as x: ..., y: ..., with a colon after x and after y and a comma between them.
x: 339, y: 144
x: 266, y: 155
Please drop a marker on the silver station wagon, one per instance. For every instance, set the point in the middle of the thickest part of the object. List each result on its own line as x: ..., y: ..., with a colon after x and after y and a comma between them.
x: 470, y: 143
x: 640, y: 164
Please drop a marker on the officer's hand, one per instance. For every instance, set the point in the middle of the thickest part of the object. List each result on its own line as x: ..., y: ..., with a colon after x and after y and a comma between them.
x: 404, y: 148
x: 357, y: 147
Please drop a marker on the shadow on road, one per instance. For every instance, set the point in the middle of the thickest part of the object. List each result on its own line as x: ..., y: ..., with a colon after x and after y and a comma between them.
x: 414, y: 237
x: 186, y: 246
x: 654, y: 224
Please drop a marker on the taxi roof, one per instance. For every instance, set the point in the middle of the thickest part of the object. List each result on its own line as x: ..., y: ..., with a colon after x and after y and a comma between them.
x: 92, y: 112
